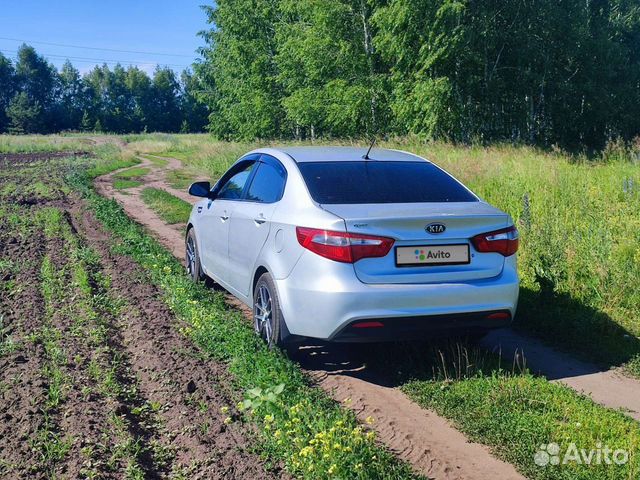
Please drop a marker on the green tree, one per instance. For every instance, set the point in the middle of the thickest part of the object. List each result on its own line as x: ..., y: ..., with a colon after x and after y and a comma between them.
x: 239, y: 56
x: 37, y: 79
x: 25, y: 114
x: 71, y: 99
x: 85, y: 123
x: 518, y: 70
x: 139, y: 85
x: 326, y: 66
x: 7, y: 89
x: 195, y: 113
x: 165, y: 107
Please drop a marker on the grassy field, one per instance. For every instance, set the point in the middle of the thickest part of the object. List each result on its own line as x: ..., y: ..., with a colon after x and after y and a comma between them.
x: 169, y: 208
x: 579, y: 221
x: 42, y: 143
x: 506, y: 408
x: 579, y: 260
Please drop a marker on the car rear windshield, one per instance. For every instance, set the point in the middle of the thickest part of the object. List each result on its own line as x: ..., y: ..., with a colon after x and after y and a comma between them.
x: 381, y: 182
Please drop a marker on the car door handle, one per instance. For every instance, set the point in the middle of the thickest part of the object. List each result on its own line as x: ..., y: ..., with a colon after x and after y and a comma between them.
x: 260, y: 219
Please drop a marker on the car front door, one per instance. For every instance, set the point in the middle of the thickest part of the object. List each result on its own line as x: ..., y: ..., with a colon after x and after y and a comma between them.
x: 214, y: 228
x: 251, y: 221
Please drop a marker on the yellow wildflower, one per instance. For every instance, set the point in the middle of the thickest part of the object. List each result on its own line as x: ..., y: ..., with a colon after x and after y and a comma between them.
x: 306, y: 451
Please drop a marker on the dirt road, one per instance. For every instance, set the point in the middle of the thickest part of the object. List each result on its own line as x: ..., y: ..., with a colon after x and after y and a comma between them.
x: 418, y: 436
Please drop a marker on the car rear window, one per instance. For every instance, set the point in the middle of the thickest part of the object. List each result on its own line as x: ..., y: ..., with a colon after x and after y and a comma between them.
x: 381, y: 182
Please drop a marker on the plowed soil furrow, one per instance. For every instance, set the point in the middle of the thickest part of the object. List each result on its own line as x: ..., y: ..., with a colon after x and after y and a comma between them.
x: 97, y: 381
x: 93, y: 412
x: 22, y: 389
x: 187, y: 390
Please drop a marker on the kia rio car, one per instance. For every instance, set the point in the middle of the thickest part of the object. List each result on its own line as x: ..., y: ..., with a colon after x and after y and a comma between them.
x: 335, y: 244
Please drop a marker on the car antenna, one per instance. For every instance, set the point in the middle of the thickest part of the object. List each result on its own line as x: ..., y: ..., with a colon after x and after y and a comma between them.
x: 366, y: 155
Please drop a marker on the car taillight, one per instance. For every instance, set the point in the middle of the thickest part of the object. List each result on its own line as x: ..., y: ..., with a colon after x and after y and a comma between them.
x: 504, y: 241
x: 343, y: 246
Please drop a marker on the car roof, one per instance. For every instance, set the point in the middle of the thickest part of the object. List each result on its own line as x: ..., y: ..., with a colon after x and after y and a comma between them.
x: 351, y: 154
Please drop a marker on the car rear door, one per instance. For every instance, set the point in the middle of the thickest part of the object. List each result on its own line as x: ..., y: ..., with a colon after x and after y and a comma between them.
x: 251, y: 221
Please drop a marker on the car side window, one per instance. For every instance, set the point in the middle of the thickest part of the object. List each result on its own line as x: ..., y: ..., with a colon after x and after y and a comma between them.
x: 268, y: 182
x: 233, y: 188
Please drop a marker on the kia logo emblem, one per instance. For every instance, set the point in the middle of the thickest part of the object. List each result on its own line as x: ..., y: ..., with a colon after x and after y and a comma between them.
x: 435, y: 228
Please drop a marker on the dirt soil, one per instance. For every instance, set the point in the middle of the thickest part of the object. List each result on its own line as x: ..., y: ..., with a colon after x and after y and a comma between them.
x: 22, y: 389
x: 23, y: 159
x: 173, y: 373
x: 166, y: 411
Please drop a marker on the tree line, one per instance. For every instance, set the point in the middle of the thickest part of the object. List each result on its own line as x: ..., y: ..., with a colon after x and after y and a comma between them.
x: 561, y: 72
x: 37, y: 98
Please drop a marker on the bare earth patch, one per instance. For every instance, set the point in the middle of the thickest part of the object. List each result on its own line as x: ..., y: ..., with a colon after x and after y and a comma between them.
x: 133, y: 396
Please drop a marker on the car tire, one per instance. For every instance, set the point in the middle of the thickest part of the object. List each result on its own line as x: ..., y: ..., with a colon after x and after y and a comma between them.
x: 267, y: 316
x: 192, y: 258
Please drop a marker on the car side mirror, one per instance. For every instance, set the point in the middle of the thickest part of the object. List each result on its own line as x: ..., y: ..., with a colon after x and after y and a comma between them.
x: 200, y: 189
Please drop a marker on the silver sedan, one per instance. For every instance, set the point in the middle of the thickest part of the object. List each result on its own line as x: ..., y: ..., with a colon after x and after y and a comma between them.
x: 337, y: 244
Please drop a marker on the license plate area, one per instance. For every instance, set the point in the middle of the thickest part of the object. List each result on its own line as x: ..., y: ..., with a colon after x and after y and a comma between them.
x: 433, y: 255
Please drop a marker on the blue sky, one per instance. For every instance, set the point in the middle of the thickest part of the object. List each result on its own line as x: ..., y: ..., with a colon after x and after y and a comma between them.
x: 153, y: 27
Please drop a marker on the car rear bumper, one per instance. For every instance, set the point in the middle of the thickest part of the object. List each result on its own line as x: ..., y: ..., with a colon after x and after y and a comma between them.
x: 325, y: 303
x: 421, y: 327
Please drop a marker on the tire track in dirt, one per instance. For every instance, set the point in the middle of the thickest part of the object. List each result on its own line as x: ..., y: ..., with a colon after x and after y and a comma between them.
x: 418, y: 436
x: 611, y: 388
x: 138, y: 210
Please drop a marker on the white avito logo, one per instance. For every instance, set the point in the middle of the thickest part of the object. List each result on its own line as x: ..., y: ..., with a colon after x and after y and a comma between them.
x: 550, y: 454
x: 547, y: 454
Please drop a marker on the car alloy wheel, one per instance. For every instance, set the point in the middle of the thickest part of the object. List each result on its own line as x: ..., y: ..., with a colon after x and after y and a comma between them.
x: 191, y: 256
x: 263, y: 314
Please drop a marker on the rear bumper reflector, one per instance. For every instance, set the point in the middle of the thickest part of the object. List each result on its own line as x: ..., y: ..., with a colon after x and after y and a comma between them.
x: 498, y: 316
x: 367, y: 325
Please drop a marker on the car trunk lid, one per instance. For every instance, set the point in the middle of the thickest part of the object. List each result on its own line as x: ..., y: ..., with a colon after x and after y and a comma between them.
x: 407, y: 223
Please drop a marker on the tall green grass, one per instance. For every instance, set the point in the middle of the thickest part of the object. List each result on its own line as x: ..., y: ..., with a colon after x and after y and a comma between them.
x: 41, y: 143
x: 579, y: 258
